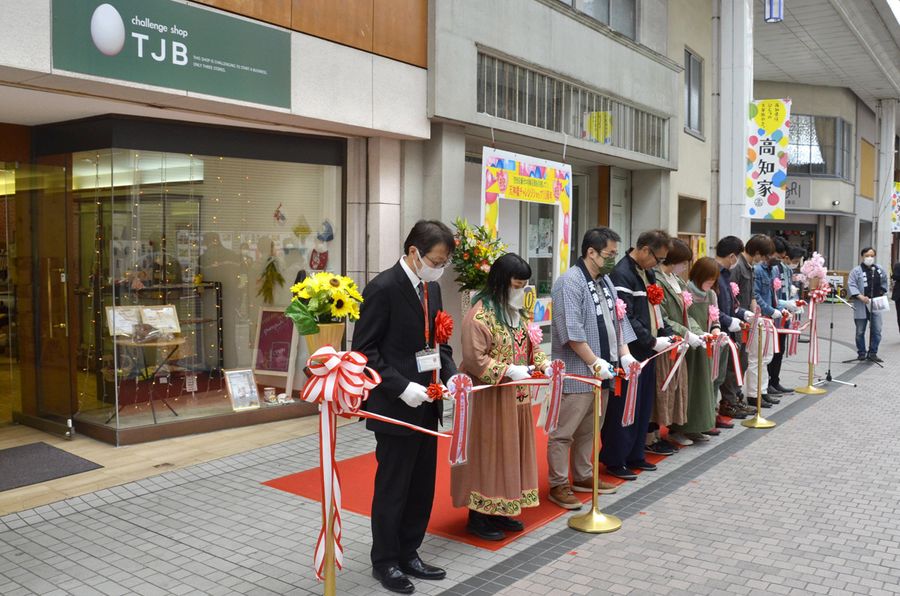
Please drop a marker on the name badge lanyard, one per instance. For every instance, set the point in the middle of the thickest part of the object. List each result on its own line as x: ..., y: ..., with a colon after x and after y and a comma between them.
x: 434, y: 373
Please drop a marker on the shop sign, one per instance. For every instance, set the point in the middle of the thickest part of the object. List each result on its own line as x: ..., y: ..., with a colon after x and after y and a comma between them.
x: 767, y: 158
x: 895, y: 208
x: 174, y: 45
x: 797, y: 195
x: 506, y: 175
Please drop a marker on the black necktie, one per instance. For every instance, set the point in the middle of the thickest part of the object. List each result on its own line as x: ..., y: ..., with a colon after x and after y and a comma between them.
x: 420, y: 289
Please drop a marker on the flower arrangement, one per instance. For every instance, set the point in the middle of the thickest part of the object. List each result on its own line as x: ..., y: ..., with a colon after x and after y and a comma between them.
x: 476, y: 250
x: 323, y: 298
x: 813, y: 268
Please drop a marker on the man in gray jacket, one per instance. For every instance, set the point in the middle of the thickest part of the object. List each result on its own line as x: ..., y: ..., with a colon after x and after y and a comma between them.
x: 866, y: 282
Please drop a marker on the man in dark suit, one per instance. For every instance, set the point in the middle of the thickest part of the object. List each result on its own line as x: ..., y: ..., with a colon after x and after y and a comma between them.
x: 393, y: 333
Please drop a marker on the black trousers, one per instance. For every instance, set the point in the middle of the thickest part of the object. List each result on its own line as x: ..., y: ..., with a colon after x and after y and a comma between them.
x: 625, y: 445
x: 897, y: 310
x: 404, y: 492
x: 774, y: 366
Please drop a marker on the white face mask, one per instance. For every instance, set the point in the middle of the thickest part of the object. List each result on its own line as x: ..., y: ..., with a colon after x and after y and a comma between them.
x: 869, y: 261
x: 427, y: 273
x: 517, y: 298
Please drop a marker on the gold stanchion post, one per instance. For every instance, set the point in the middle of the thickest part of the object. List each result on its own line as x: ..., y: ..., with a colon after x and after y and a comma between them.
x: 810, y: 389
x: 758, y: 421
x: 595, y: 521
x: 330, y: 571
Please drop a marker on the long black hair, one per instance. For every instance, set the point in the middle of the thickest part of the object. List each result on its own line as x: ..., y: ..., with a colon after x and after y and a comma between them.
x: 495, y: 294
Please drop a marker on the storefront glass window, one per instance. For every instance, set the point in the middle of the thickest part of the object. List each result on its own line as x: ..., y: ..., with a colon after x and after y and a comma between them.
x: 178, y: 255
x: 820, y: 146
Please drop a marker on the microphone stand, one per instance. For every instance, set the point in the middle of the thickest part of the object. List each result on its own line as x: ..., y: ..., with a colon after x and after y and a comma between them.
x: 828, y: 377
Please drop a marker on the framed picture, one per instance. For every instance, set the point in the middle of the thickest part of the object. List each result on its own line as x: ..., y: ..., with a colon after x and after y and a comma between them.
x: 120, y: 320
x: 163, y: 318
x: 241, y: 386
x: 275, y: 348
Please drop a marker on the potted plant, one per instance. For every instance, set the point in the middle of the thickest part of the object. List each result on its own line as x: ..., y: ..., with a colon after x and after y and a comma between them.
x: 475, y: 252
x: 320, y: 306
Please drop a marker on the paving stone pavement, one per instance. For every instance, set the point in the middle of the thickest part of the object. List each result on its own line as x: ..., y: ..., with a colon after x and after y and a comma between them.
x: 808, y: 507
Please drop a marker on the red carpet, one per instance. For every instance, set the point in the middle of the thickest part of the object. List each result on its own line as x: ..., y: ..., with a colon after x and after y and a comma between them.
x: 447, y: 521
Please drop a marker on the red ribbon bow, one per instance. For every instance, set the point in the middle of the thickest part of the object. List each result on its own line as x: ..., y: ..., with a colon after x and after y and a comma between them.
x: 655, y: 294
x: 443, y: 327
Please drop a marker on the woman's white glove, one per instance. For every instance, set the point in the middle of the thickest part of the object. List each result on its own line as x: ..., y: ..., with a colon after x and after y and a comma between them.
x: 662, y: 343
x: 735, y: 326
x: 627, y: 360
x: 518, y: 372
x: 603, y: 369
x: 695, y: 341
x: 414, y: 395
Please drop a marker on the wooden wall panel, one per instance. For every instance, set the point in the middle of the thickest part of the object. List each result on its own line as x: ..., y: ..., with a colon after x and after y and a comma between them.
x: 277, y: 12
x: 15, y: 143
x: 401, y: 30
x: 348, y: 22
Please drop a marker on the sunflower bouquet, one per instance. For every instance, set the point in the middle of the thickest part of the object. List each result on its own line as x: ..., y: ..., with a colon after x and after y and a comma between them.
x: 476, y: 250
x: 323, y: 298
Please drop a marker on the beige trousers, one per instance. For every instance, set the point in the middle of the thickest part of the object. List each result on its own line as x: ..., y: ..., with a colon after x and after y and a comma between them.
x: 573, y: 439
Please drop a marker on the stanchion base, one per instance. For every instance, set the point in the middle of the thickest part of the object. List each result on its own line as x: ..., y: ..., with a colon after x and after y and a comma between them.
x: 810, y: 390
x: 758, y: 422
x: 595, y: 522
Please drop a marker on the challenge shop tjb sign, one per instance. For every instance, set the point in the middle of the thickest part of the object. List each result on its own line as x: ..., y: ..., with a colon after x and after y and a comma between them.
x: 174, y: 45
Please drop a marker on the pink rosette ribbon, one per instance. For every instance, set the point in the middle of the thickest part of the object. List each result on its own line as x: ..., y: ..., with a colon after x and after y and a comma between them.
x: 735, y: 290
x: 776, y: 284
x: 460, y: 387
x: 632, y: 374
x: 713, y: 315
x: 688, y: 300
x: 339, y: 382
x: 621, y: 309
x: 535, y: 334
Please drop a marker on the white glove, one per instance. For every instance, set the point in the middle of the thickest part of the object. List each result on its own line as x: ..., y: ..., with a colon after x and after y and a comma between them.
x: 414, y: 395
x: 518, y: 372
x: 748, y: 316
x: 627, y: 360
x: 776, y: 314
x: 735, y: 326
x: 795, y: 291
x: 695, y: 341
x: 791, y: 305
x: 661, y: 344
x: 603, y: 369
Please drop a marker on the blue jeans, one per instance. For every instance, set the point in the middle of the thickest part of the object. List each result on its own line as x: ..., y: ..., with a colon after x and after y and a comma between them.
x: 874, y: 336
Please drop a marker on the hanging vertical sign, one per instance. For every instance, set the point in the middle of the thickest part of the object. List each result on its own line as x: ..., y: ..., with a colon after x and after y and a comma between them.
x: 767, y: 158
x: 895, y: 208
x: 506, y: 175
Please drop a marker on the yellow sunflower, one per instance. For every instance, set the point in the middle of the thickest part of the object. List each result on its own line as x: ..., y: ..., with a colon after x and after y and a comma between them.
x: 341, y: 305
x: 353, y: 291
x: 354, y: 310
x: 301, y: 290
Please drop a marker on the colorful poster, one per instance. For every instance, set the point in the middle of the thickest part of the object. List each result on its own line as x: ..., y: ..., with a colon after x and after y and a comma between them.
x: 895, y: 208
x: 767, y: 158
x: 506, y: 175
x: 598, y: 126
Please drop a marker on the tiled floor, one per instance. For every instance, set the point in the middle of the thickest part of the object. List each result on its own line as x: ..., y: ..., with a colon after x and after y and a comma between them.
x: 807, y: 507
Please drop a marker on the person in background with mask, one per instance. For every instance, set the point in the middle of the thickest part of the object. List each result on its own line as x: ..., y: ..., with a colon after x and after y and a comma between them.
x: 671, y: 405
x: 865, y: 282
x: 729, y: 252
x: 758, y: 250
x: 781, y: 270
x: 701, y: 411
x: 764, y: 274
x: 500, y: 477
x: 395, y: 332
x: 591, y: 340
x: 623, y: 446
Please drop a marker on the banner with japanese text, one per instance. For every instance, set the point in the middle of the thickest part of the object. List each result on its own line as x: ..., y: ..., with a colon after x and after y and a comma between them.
x: 767, y: 158
x: 895, y: 208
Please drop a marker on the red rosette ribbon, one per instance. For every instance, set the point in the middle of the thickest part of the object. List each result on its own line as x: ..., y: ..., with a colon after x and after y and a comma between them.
x: 339, y: 382
x: 443, y: 327
x: 435, y: 391
x: 655, y: 294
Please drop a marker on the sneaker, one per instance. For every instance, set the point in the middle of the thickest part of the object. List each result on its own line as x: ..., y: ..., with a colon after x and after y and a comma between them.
x: 875, y: 358
x: 749, y: 409
x: 587, y: 486
x: 680, y: 439
x: 642, y: 465
x: 660, y: 448
x: 713, y: 432
x: 621, y: 472
x: 784, y: 390
x: 732, y: 410
x: 861, y: 357
x: 722, y: 422
x: 563, y: 496
x: 672, y: 445
x: 697, y: 437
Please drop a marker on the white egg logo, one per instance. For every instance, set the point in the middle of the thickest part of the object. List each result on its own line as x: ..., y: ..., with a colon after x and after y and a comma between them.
x: 108, y: 30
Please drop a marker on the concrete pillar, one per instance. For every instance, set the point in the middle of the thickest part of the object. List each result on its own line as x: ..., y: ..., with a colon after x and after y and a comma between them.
x: 445, y: 169
x: 881, y: 219
x: 412, y: 183
x: 736, y: 91
x: 847, y: 238
x: 650, y: 202
x: 385, y: 241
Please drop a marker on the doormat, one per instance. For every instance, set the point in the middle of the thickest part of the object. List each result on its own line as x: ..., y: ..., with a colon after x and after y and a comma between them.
x: 38, y: 462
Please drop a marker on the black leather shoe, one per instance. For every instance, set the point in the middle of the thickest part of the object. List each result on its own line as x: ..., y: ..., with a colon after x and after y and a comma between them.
x: 644, y: 466
x: 479, y: 526
x: 784, y: 390
x: 772, y: 390
x: 875, y: 358
x: 505, y: 524
x: 417, y: 568
x: 771, y: 399
x: 621, y: 472
x: 393, y: 579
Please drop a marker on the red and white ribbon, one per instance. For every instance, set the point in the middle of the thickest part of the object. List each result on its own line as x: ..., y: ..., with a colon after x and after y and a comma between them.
x: 816, y: 297
x: 721, y: 341
x: 768, y: 327
x: 339, y: 382
x: 460, y: 387
x: 557, y: 372
x: 632, y: 374
x: 671, y: 376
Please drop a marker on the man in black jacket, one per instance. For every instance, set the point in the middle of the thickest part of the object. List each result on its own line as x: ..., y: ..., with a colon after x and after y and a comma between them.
x: 395, y: 334
x: 623, y: 446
